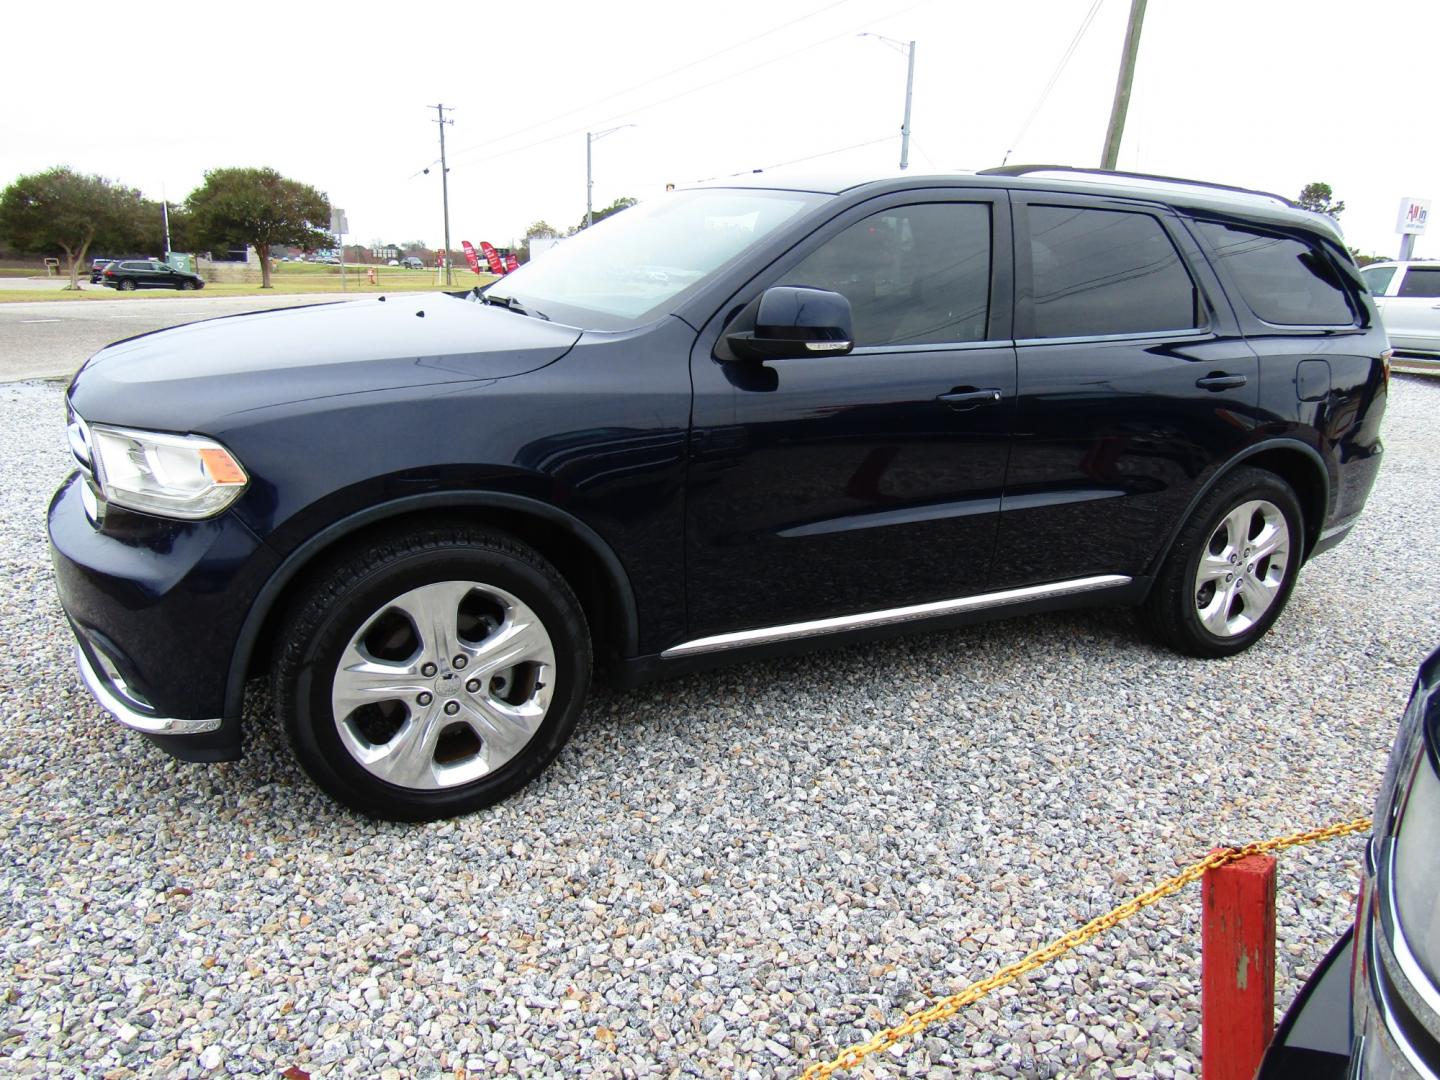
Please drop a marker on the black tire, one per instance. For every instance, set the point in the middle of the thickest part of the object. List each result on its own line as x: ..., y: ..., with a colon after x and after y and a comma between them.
x: 126, y: 285
x: 187, y: 286
x: 351, y: 593
x: 1175, y: 610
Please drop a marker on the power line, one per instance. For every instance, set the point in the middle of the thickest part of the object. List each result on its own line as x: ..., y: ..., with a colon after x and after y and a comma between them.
x: 1054, y: 78
x: 652, y: 80
x: 797, y: 161
x: 696, y: 89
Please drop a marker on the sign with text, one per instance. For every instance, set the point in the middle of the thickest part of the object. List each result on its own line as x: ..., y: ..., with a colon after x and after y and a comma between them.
x: 1414, y: 213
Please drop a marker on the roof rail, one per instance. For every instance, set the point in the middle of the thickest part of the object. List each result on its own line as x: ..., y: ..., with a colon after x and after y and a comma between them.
x: 1022, y: 170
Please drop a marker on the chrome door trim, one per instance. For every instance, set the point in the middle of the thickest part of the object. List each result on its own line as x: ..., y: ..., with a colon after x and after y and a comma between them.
x: 889, y: 616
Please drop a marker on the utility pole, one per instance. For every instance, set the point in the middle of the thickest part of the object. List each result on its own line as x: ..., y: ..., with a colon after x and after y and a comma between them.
x: 445, y: 189
x: 908, y: 48
x: 1116, y: 130
x: 590, y: 137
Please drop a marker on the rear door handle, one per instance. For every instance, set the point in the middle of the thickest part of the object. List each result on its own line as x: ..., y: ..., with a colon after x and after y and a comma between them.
x: 1219, y: 381
x: 962, y: 399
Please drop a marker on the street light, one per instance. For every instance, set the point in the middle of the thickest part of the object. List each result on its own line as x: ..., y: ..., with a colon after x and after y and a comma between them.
x: 590, y: 137
x: 908, y: 48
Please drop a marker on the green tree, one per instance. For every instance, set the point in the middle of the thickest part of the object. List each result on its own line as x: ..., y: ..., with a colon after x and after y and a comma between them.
x: 259, y: 207
x: 65, y: 212
x: 1318, y: 197
x: 540, y: 230
x: 622, y: 203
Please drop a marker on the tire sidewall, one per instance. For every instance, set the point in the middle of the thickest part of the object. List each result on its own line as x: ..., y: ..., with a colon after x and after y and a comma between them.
x: 311, y: 720
x: 1244, y: 487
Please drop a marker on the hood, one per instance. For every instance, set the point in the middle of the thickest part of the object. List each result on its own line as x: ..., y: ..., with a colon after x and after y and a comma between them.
x: 187, y: 377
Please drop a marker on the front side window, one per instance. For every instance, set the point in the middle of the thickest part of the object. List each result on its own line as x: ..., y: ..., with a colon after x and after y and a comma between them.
x: 1421, y: 281
x: 1102, y: 272
x: 1284, y: 280
x: 1377, y: 278
x: 914, y: 275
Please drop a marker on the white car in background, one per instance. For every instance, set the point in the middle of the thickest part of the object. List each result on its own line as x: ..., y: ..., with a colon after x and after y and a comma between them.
x: 1408, y: 296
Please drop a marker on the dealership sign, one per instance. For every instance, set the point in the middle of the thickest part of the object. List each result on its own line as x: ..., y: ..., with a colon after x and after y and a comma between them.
x: 1413, y: 215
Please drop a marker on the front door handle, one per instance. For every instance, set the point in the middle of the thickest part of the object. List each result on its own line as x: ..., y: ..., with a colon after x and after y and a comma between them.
x: 962, y: 398
x: 1220, y: 381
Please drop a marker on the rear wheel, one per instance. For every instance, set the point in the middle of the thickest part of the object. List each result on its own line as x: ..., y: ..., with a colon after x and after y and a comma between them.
x: 1232, y: 568
x: 126, y: 285
x: 431, y: 673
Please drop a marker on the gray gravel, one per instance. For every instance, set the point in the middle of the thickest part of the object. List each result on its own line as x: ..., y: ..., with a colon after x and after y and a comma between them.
x: 726, y: 875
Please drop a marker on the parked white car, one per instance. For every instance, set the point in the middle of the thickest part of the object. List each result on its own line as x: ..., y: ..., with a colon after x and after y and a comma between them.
x: 1408, y: 296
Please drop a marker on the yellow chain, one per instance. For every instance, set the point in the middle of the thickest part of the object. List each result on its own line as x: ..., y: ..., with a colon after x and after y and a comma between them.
x: 949, y: 1006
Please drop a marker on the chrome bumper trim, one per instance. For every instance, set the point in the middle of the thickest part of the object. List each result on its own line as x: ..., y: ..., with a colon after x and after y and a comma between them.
x: 866, y: 620
x: 151, y: 725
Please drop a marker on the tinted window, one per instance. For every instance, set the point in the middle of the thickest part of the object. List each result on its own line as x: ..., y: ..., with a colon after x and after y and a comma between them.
x: 1106, y: 272
x: 1377, y: 278
x: 1420, y: 281
x: 1284, y: 281
x: 913, y: 275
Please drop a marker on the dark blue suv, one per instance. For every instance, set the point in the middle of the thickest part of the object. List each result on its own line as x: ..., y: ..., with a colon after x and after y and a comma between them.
x: 733, y: 420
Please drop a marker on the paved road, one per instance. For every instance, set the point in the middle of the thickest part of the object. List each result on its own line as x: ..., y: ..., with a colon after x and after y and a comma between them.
x: 50, y: 339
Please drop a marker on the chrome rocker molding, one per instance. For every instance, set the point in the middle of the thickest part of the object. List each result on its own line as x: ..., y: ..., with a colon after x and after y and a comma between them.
x: 151, y: 725
x: 841, y: 623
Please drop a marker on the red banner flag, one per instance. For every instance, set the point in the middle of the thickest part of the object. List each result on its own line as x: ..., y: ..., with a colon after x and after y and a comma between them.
x: 492, y: 257
x: 470, y: 256
x: 511, y: 263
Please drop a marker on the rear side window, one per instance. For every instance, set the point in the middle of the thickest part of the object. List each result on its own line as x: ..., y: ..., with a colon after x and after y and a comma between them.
x: 914, y: 275
x: 1377, y: 278
x: 1420, y: 281
x: 1099, y: 272
x: 1285, y: 281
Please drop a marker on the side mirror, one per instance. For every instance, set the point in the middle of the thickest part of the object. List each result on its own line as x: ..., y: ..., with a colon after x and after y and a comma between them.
x: 793, y: 320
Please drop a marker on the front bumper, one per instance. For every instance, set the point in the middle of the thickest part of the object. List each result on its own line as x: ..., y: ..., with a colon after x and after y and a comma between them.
x: 112, y: 693
x: 156, y: 607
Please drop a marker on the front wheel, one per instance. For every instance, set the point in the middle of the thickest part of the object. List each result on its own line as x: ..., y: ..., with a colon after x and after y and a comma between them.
x: 1232, y: 568
x: 433, y: 672
x: 188, y: 286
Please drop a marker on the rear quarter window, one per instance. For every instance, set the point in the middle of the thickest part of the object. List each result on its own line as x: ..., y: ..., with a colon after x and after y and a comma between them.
x: 1284, y: 280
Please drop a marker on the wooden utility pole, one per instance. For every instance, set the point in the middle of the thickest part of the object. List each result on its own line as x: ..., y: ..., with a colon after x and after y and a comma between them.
x: 1116, y: 129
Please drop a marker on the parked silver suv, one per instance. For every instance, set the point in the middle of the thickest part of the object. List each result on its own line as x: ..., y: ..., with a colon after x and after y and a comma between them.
x: 1408, y: 296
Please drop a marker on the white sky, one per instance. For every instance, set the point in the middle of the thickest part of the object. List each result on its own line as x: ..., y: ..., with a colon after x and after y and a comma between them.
x: 1262, y: 93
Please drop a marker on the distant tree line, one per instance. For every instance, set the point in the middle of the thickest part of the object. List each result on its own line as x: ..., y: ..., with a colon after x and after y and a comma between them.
x: 67, y: 214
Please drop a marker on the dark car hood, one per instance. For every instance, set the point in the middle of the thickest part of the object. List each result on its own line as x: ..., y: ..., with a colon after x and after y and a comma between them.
x: 187, y: 377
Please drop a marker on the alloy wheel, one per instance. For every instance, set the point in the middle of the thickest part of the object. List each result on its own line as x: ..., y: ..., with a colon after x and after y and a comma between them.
x: 1243, y: 568
x: 443, y: 685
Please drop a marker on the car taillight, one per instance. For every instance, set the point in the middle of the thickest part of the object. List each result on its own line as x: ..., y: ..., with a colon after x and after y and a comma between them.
x: 109, y: 272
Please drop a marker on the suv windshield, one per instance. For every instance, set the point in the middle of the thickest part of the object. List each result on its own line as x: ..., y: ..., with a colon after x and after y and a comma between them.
x: 621, y: 272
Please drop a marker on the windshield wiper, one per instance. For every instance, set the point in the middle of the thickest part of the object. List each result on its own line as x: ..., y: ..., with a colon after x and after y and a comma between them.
x: 509, y: 303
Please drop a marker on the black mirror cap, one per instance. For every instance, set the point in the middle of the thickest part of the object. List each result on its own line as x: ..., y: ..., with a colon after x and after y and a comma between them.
x: 795, y: 320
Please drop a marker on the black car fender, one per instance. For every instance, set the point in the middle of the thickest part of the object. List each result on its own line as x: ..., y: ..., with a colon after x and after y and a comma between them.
x: 1297, y: 451
x: 273, y: 591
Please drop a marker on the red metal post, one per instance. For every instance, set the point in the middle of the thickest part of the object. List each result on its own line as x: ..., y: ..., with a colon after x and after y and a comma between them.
x: 1237, y: 968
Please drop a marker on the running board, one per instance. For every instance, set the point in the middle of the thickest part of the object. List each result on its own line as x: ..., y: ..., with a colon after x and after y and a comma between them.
x: 841, y: 623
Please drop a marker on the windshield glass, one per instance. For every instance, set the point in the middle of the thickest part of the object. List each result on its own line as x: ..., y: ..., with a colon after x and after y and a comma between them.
x: 625, y: 270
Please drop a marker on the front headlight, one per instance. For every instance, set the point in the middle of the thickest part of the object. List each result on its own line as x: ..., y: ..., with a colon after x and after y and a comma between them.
x: 180, y: 476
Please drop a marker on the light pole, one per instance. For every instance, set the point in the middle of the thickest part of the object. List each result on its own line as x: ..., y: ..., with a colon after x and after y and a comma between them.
x: 590, y: 137
x: 908, y: 48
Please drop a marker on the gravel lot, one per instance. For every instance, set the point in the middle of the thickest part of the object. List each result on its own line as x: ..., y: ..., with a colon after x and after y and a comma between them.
x: 727, y: 875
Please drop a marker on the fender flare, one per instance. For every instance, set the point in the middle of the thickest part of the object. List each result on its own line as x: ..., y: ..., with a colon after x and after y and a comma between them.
x: 1305, y: 449
x: 296, y: 561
